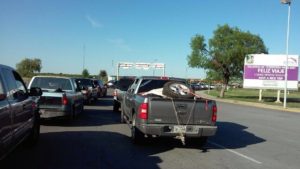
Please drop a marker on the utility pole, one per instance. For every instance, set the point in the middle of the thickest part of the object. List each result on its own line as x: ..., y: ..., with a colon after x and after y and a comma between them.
x: 83, y: 61
x: 288, y: 2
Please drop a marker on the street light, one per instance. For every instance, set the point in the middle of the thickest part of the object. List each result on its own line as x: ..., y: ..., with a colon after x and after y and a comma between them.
x: 288, y: 2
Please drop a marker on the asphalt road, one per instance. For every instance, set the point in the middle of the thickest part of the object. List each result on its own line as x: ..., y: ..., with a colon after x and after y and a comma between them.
x: 247, y: 138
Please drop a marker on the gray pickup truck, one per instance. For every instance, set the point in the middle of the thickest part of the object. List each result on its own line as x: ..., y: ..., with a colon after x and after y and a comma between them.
x: 61, y: 96
x: 19, y: 116
x: 167, y: 107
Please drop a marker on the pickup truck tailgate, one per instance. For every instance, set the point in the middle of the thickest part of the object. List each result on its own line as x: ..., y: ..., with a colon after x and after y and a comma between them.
x: 192, y: 112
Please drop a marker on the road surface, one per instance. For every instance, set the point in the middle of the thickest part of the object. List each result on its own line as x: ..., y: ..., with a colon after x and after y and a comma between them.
x: 247, y: 138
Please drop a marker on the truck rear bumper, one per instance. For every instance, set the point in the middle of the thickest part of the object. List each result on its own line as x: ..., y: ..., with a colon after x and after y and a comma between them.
x: 50, y: 113
x: 168, y: 130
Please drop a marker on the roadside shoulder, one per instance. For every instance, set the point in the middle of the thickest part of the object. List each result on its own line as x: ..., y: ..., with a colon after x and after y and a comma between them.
x: 260, y: 105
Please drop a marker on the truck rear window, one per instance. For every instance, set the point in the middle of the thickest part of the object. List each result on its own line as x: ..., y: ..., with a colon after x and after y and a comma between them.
x: 151, y: 84
x: 51, y: 83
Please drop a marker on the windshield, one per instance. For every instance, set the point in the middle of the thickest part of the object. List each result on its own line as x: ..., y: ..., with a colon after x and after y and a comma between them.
x: 52, y: 83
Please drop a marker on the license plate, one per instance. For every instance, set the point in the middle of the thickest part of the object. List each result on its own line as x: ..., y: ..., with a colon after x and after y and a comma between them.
x: 179, y: 129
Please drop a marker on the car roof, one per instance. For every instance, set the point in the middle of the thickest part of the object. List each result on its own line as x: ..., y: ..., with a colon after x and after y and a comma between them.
x: 6, y: 67
x: 62, y: 77
x: 161, y: 78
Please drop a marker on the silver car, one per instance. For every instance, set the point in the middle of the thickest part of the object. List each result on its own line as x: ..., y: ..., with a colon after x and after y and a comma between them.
x: 61, y: 96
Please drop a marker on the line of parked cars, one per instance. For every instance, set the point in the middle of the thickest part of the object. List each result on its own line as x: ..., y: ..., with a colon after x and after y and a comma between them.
x: 21, y: 107
x: 201, y: 86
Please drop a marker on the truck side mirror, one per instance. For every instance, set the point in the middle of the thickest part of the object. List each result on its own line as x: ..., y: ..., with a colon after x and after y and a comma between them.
x: 2, y: 96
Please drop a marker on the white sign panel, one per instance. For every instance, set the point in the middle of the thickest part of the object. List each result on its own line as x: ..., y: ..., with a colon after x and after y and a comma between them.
x: 142, y: 65
x: 158, y: 65
x: 125, y: 65
x: 263, y: 71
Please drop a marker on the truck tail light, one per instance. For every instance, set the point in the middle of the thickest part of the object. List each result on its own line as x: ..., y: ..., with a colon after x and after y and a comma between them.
x: 214, y: 113
x: 143, y: 110
x: 64, y: 100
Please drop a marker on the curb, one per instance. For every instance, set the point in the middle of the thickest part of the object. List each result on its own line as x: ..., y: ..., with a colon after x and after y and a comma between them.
x: 253, y: 104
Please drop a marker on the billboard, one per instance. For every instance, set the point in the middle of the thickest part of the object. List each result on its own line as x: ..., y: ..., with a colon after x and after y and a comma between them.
x: 262, y: 71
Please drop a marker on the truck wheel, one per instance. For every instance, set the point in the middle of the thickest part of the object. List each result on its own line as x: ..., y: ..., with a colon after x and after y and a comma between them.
x: 177, y: 90
x: 35, y: 132
x: 116, y: 106
x: 137, y: 136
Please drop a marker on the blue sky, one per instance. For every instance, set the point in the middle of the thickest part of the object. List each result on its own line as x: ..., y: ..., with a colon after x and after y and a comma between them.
x: 114, y: 31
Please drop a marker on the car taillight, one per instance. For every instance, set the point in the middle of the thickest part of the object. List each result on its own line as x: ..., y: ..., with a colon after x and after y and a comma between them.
x: 143, y: 111
x: 64, y: 100
x: 214, y: 113
x: 164, y: 78
x: 34, y: 105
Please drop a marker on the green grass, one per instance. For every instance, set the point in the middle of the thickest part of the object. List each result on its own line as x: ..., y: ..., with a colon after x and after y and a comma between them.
x: 268, y: 96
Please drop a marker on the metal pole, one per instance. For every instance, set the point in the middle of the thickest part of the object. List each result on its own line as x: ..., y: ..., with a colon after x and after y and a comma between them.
x: 287, y: 55
x: 118, y: 67
x: 83, y: 62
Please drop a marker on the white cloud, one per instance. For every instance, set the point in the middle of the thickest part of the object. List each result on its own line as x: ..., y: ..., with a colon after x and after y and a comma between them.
x: 93, y: 22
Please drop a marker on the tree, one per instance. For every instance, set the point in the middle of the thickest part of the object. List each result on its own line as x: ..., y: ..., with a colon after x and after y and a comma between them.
x: 103, y: 75
x: 28, y: 67
x: 85, y: 73
x: 225, y: 56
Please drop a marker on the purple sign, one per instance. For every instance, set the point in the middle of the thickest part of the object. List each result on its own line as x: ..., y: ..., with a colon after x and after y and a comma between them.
x: 263, y: 72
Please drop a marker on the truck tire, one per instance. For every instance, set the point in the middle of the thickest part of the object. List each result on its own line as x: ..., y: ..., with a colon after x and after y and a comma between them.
x: 177, y: 90
x: 116, y: 106
x: 137, y: 136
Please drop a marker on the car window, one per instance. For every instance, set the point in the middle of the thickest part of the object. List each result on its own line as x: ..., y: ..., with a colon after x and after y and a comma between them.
x: 11, y: 83
x: 51, y: 83
x: 149, y: 84
x: 19, y: 82
x: 100, y: 82
x: 2, y: 102
x: 95, y: 82
x: 1, y: 86
x: 84, y: 82
x: 124, y: 84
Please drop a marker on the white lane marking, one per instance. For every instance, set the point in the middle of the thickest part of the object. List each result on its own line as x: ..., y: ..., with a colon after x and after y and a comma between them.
x: 235, y: 152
